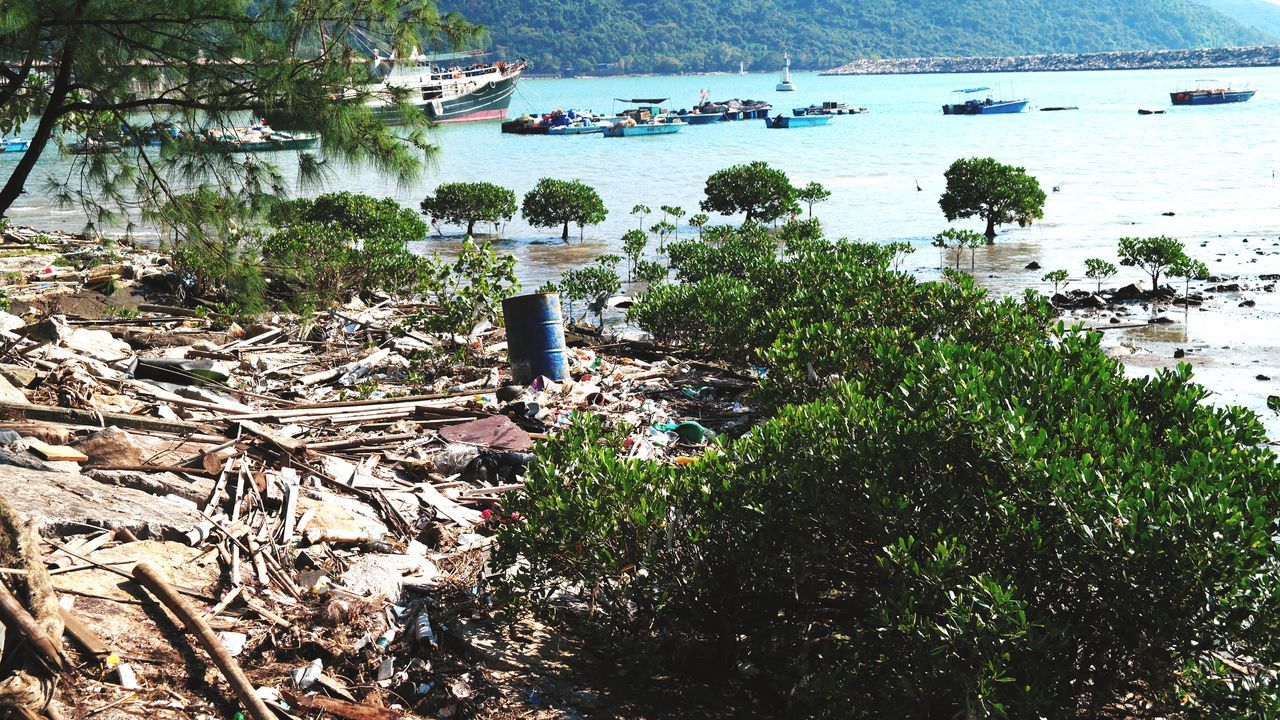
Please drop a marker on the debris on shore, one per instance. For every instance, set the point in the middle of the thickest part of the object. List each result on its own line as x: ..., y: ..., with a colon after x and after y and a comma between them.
x: 308, y: 496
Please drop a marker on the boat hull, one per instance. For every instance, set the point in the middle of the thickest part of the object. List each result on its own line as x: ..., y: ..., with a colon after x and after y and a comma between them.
x: 1212, y: 97
x: 15, y: 146
x: 999, y: 107
x: 643, y: 130
x: 575, y: 130
x: 783, y: 122
x: 489, y: 102
x: 301, y: 143
x: 701, y: 118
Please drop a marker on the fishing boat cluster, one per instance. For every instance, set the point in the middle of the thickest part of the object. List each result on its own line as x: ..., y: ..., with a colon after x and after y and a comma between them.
x: 648, y: 117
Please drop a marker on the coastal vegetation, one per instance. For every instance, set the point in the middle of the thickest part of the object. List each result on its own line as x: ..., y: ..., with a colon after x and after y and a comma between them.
x: 559, y: 203
x: 955, y: 508
x: 754, y: 189
x: 467, y: 203
x: 1153, y: 255
x: 997, y: 193
x: 1099, y: 270
x: 665, y: 36
x: 107, y: 68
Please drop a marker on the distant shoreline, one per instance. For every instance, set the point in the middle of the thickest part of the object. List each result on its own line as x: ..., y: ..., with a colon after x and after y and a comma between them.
x: 1255, y: 56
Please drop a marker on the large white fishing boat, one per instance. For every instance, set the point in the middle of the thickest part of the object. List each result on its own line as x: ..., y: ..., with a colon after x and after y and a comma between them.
x: 454, y: 87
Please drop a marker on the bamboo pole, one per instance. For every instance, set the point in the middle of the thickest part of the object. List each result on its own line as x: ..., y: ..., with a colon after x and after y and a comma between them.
x: 151, y: 580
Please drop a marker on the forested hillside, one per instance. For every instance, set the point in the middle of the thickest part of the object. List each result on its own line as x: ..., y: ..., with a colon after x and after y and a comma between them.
x: 1257, y: 14
x: 701, y: 35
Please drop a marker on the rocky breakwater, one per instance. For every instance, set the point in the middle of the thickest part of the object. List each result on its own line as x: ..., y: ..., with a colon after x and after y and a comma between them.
x: 1257, y: 56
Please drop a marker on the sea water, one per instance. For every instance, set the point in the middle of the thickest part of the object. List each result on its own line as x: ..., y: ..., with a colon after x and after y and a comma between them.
x: 1207, y: 175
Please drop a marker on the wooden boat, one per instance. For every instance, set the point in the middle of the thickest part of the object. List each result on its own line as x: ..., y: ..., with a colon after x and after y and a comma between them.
x: 829, y: 108
x: 793, y: 121
x: 258, y: 138
x: 983, y: 106
x: 785, y: 84
x: 93, y: 147
x: 1210, y: 96
x: 14, y: 145
x: 1150, y: 111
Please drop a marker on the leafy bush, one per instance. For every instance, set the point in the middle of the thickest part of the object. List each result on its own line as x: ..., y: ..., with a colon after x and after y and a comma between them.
x: 1153, y: 255
x: 972, y: 525
x: 466, y: 203
x: 593, y: 283
x: 466, y: 291
x: 340, y: 244
x: 1098, y: 270
x: 213, y: 252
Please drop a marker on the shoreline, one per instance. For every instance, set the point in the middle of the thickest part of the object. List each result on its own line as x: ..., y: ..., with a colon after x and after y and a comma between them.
x: 1200, y: 58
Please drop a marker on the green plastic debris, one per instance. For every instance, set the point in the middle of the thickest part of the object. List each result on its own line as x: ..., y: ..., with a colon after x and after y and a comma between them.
x: 689, y: 431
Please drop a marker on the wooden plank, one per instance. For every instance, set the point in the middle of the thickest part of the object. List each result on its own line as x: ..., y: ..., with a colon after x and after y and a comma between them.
x: 84, y: 636
x: 56, y: 452
x: 285, y: 443
x: 465, y: 517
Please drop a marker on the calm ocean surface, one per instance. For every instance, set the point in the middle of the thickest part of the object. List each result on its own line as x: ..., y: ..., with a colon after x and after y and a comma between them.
x: 1216, y: 168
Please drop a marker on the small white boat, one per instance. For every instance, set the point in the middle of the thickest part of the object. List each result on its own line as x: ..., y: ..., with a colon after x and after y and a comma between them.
x: 786, y: 85
x: 14, y: 145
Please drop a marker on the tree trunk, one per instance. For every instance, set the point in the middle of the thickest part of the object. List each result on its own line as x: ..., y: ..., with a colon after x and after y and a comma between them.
x: 44, y: 130
x: 564, y: 235
x: 471, y: 226
x: 991, y: 230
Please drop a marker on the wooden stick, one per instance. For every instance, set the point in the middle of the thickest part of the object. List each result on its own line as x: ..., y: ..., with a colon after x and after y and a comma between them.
x: 150, y: 579
x: 16, y: 617
x: 69, y: 416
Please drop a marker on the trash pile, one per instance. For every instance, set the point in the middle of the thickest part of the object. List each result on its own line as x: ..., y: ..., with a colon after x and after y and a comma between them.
x: 311, y: 499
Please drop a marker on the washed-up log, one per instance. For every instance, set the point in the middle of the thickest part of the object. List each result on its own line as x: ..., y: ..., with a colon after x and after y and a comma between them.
x: 17, y: 619
x: 151, y: 580
x: 290, y: 445
x: 342, y: 708
x: 71, y: 416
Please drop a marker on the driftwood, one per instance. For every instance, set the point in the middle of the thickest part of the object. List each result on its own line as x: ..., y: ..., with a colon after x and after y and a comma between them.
x: 70, y: 416
x: 342, y: 708
x: 227, y: 665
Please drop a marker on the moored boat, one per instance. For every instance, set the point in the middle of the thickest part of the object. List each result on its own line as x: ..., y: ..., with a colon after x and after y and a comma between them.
x: 1210, y: 96
x: 259, y: 138
x: 780, y: 122
x: 632, y: 128
x: 94, y: 147
x: 983, y: 106
x: 1150, y: 111
x: 829, y: 108
x: 577, y: 127
x: 446, y: 92
x: 14, y: 145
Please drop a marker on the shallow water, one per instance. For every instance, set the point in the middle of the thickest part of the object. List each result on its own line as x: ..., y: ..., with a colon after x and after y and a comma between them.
x: 1216, y: 168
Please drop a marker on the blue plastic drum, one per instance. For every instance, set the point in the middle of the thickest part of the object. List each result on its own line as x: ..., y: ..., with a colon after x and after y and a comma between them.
x: 535, y: 337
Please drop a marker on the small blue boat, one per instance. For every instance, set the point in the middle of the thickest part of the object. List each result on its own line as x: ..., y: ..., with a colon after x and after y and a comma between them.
x: 14, y: 145
x: 792, y: 121
x: 984, y: 106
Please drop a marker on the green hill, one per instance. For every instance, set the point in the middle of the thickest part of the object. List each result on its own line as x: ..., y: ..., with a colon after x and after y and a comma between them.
x: 1257, y: 14
x: 700, y: 35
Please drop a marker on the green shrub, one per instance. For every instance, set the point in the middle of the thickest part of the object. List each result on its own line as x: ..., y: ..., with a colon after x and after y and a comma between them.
x: 341, y: 244
x: 213, y: 251
x: 954, y: 511
x: 593, y: 283
x: 961, y: 532
x: 466, y: 291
